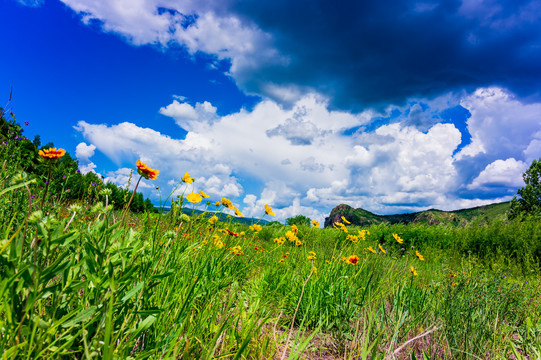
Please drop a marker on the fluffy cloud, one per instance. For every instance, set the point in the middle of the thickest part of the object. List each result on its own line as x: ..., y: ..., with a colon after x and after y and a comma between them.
x: 84, y: 152
x: 503, y: 173
x: 395, y: 167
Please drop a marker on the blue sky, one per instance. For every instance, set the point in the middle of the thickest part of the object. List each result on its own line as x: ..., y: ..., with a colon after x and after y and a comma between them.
x: 394, y: 107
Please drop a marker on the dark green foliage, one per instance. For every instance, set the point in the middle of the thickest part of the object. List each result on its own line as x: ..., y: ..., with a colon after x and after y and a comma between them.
x: 529, y: 201
x: 299, y: 220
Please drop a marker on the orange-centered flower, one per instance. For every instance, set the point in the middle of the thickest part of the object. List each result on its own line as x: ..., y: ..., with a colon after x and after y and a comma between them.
x: 145, y: 171
x: 352, y: 260
x: 52, y: 153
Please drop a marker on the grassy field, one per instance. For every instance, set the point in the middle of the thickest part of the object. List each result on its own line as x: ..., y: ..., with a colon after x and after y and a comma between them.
x: 81, y: 280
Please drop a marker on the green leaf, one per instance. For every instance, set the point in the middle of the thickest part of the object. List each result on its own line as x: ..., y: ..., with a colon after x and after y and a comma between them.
x: 81, y: 317
x: 132, y: 292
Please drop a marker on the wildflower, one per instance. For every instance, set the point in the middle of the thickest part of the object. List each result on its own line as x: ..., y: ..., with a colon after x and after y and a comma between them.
x: 94, y: 184
x: 256, y: 228
x: 203, y: 194
x: 371, y: 250
x: 312, y: 255
x: 187, y: 179
x: 290, y: 235
x: 315, y: 223
x: 382, y: 249
x: 362, y: 234
x: 268, y: 210
x: 413, y: 271
x: 194, y: 198
x: 227, y: 203
x: 237, y: 212
x: 398, y: 238
x: 237, y: 250
x: 145, y: 171
x: 352, y: 260
x: 314, y: 269
x: 345, y: 220
x: 281, y: 260
x: 279, y: 240
x: 217, y: 203
x: 231, y: 232
x: 184, y: 217
x: 213, y: 220
x: 352, y: 238
x: 418, y: 254
x: 52, y: 153
x: 298, y: 242
x: 453, y: 275
x: 218, y: 242
x: 294, y: 229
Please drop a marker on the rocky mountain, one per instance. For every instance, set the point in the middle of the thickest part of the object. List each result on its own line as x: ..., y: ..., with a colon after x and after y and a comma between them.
x: 460, y: 217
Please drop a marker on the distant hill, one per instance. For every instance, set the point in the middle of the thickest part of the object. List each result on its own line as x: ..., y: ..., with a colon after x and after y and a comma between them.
x: 221, y: 216
x: 460, y: 217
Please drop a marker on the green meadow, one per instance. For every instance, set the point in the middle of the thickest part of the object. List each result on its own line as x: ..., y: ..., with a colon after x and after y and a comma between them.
x: 86, y: 275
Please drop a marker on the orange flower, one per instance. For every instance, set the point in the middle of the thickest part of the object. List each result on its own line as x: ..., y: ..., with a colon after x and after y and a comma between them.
x: 145, y: 171
x: 231, y: 232
x: 352, y: 260
x: 52, y: 153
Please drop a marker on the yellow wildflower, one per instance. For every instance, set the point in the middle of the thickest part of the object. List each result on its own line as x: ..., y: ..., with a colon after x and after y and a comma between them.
x: 298, y: 242
x: 352, y: 260
x: 294, y: 229
x: 279, y: 240
x: 227, y: 203
x: 194, y: 198
x: 382, y: 249
x: 371, y: 250
x: 352, y: 238
x: 256, y: 227
x: 345, y: 220
x: 268, y: 210
x: 237, y: 212
x: 398, y: 238
x: 290, y: 235
x: 314, y: 269
x: 315, y: 223
x: 203, y: 194
x: 418, y: 254
x: 213, y: 220
x: 413, y: 271
x: 187, y: 179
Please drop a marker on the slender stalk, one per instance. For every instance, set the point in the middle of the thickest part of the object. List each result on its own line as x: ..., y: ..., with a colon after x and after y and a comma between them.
x: 46, y: 187
x: 129, y: 202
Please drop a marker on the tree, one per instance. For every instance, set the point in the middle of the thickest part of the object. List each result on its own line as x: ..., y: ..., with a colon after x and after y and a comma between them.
x: 299, y: 220
x: 530, y: 195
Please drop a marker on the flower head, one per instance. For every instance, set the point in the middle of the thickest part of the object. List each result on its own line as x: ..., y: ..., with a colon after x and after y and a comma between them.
x: 315, y: 223
x: 194, y: 198
x: 145, y: 171
x: 256, y: 227
x: 213, y: 220
x: 227, y: 203
x: 203, y: 194
x: 344, y: 220
x: 418, y: 254
x: 187, y: 179
x: 371, y: 249
x: 237, y: 212
x: 52, y: 153
x: 381, y: 248
x: 413, y: 271
x: 398, y: 238
x: 352, y: 260
x: 268, y: 210
x: 295, y: 229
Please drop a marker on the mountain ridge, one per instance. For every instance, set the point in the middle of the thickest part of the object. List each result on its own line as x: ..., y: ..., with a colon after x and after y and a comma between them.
x: 460, y: 217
